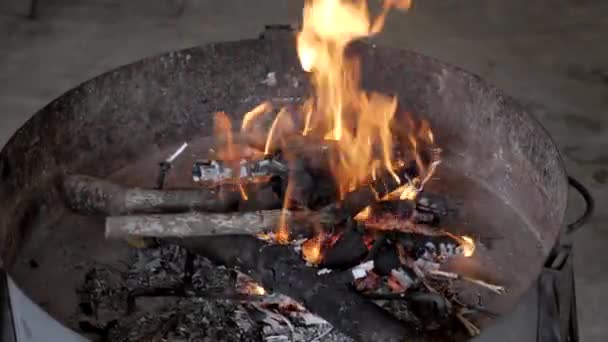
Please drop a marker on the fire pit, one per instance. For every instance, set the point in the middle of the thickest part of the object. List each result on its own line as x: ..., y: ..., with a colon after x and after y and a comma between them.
x: 343, y: 218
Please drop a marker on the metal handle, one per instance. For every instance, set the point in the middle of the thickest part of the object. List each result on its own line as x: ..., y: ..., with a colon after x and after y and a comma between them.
x: 589, y: 203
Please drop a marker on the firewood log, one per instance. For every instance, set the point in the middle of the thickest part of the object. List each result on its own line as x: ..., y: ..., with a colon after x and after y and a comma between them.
x: 92, y: 195
x: 280, y: 269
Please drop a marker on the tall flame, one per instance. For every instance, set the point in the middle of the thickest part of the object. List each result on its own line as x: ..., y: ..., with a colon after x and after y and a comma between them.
x: 358, y: 121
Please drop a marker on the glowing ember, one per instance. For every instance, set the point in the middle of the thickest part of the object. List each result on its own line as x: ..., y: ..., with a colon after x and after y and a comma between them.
x: 311, y: 250
x: 257, y: 290
x: 364, y: 214
x: 282, y: 233
x: 408, y: 191
x: 468, y: 246
x: 243, y: 193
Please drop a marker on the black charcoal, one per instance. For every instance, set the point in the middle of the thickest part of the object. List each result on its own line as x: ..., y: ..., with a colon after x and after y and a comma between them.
x: 386, y: 260
x: 429, y: 202
x: 429, y: 306
x: 403, y: 209
x: 347, y: 252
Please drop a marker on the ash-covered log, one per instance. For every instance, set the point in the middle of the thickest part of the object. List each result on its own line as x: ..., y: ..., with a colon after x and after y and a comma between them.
x: 196, y: 224
x: 192, y: 224
x: 90, y: 195
x: 279, y: 268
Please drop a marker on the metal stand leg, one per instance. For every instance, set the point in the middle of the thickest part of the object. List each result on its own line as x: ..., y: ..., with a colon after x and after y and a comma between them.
x: 33, y: 12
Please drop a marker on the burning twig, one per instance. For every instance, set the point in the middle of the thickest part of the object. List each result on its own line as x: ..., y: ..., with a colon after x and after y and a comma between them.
x: 450, y: 275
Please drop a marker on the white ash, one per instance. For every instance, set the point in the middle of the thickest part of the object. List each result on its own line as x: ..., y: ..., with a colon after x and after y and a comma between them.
x: 195, y: 320
x: 270, y: 79
x: 190, y: 319
x: 102, y: 294
x: 399, y: 309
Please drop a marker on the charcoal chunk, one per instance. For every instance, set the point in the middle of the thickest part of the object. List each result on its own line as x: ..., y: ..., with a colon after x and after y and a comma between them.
x: 386, y: 260
x: 347, y: 252
x: 429, y: 306
x: 432, y: 203
x: 402, y: 209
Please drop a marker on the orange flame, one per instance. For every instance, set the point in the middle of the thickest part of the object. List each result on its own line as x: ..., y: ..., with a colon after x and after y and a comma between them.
x: 253, y: 114
x: 282, y: 233
x: 357, y: 120
x: 311, y: 249
x: 364, y: 214
x: 243, y: 192
x: 223, y: 128
x: 468, y: 246
x: 228, y: 151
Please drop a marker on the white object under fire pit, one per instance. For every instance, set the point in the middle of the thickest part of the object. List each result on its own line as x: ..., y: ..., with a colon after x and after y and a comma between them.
x: 30, y: 323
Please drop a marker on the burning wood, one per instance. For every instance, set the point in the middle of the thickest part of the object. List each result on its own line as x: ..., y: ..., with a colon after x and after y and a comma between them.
x: 346, y: 310
x: 352, y: 188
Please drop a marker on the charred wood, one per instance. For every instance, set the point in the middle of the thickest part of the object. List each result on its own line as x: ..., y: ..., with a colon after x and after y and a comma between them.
x: 385, y: 183
x: 429, y: 202
x: 280, y: 269
x: 180, y: 291
x: 386, y: 260
x: 401, y: 210
x: 348, y: 251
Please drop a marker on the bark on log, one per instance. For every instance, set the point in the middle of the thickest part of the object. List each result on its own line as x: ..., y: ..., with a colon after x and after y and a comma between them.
x: 248, y: 223
x: 210, y: 224
x: 97, y: 196
x: 192, y: 224
x: 280, y: 269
